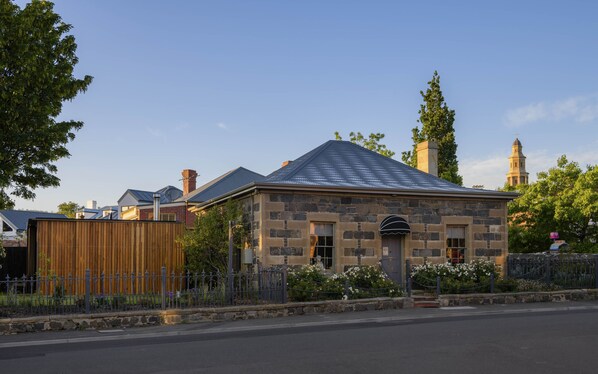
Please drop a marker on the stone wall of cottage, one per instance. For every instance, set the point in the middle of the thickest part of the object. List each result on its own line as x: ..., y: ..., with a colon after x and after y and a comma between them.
x: 282, y: 226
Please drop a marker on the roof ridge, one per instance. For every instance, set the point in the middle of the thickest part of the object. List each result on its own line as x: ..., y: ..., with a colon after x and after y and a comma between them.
x: 316, y: 153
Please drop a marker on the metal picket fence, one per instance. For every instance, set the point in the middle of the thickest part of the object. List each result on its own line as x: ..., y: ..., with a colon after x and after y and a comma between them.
x: 567, y: 270
x: 556, y: 271
x: 23, y: 296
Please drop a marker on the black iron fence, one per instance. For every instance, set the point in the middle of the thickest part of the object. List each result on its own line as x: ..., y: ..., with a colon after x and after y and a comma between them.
x: 542, y: 271
x: 121, y: 292
x: 564, y: 270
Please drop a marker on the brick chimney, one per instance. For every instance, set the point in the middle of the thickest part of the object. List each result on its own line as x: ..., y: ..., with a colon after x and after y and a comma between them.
x: 189, y: 181
x: 427, y: 157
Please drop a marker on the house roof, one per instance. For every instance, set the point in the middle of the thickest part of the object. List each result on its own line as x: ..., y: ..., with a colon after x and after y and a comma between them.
x: 19, y: 218
x: 225, y: 183
x: 167, y: 195
x: 344, y: 164
x: 100, y: 212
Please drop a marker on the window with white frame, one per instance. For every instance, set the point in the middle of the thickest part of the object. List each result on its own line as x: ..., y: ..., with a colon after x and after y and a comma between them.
x: 455, y: 244
x: 321, y: 243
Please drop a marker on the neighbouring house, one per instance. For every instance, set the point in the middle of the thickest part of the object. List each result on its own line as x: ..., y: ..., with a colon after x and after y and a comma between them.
x: 131, y: 200
x: 13, y: 232
x: 341, y: 204
x: 92, y: 211
x: 178, y: 210
x: 14, y: 224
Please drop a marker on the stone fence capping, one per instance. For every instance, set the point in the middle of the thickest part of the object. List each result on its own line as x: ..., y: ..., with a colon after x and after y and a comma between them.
x: 231, y: 313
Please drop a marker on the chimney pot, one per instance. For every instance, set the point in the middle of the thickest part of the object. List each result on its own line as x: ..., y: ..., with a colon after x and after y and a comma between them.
x: 427, y: 157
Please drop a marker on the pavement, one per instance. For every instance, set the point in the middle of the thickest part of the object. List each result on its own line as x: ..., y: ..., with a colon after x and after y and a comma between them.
x: 396, y: 316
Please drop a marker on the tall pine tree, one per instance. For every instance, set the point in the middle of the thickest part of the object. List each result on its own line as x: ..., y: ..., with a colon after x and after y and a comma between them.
x: 437, y: 125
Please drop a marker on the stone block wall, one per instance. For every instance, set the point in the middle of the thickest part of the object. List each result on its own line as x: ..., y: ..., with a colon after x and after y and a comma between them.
x: 285, y: 219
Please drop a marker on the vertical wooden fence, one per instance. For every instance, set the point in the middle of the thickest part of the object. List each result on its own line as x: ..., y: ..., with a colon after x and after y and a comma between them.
x: 66, y: 248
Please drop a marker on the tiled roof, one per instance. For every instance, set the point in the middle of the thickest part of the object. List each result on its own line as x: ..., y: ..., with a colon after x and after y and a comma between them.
x: 344, y: 164
x: 225, y: 183
x: 20, y: 218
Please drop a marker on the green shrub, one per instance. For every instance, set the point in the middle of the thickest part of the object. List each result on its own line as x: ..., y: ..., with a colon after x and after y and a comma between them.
x: 305, y: 283
x: 58, y: 294
x: 526, y: 285
x: 505, y: 285
x: 459, y: 278
x: 370, y: 281
x: 118, y: 301
x: 310, y: 283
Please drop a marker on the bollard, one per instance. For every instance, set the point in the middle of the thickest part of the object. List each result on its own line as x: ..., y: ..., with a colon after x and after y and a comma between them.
x: 438, y: 286
x: 491, y: 282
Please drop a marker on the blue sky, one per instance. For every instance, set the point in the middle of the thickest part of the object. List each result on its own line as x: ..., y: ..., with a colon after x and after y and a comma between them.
x: 213, y: 85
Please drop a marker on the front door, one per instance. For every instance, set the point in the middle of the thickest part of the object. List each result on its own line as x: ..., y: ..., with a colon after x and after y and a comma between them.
x: 392, y: 257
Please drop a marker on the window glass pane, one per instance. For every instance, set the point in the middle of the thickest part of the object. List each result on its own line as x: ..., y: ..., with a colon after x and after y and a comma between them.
x: 5, y: 227
x: 323, y: 229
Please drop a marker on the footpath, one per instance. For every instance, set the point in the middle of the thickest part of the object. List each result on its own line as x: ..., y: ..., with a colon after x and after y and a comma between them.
x: 337, y: 310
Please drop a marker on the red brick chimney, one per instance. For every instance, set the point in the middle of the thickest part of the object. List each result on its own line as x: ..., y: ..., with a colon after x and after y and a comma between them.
x: 189, y: 181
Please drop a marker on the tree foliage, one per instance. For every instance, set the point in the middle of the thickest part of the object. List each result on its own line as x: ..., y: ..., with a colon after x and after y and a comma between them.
x: 206, y: 246
x: 564, y: 199
x: 69, y: 209
x: 37, y: 58
x: 437, y: 125
x: 372, y: 142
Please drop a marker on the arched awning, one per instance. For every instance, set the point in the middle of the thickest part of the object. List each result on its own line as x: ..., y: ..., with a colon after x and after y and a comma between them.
x: 394, y: 225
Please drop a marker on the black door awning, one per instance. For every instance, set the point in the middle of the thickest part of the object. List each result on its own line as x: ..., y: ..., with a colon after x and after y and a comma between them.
x: 394, y: 225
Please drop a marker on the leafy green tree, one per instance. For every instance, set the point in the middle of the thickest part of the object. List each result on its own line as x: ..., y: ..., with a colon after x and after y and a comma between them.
x: 69, y: 209
x: 37, y: 58
x: 206, y: 246
x: 564, y: 199
x: 437, y: 125
x: 372, y: 142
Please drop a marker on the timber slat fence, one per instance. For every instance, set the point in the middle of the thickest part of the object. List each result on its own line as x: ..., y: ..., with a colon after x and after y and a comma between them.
x: 121, y: 292
x: 67, y: 247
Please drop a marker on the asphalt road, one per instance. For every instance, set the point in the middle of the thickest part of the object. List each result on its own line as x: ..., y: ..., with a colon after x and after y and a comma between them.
x: 539, y: 338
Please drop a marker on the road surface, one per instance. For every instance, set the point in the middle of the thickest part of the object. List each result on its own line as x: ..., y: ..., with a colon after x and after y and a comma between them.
x: 534, y: 338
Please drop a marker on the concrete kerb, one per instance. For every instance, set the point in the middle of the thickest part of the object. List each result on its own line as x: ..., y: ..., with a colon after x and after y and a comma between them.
x: 198, y: 315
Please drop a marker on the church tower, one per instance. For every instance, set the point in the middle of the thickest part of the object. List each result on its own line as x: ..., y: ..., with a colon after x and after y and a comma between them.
x: 517, y: 174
